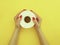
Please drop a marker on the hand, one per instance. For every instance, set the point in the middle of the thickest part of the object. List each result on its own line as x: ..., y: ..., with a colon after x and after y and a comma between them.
x: 37, y: 21
x: 36, y: 26
x: 17, y: 19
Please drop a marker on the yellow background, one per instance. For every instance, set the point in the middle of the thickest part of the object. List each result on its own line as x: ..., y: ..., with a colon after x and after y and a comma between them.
x: 48, y: 10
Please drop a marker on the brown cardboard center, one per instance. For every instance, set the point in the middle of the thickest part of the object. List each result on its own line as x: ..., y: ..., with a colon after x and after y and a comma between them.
x: 27, y: 19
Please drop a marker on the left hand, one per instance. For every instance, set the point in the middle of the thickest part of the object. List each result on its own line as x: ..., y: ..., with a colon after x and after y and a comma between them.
x: 17, y: 19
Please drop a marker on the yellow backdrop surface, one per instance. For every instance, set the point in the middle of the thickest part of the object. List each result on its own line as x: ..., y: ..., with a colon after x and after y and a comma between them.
x: 48, y: 10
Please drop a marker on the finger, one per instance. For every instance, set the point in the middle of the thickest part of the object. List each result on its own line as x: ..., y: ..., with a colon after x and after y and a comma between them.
x: 20, y: 17
x: 18, y: 21
x: 34, y: 12
x: 39, y: 19
x: 21, y: 11
x: 34, y: 20
x: 35, y: 23
x: 17, y: 16
x: 37, y: 16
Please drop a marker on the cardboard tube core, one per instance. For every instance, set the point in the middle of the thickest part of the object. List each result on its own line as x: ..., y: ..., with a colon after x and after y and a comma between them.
x: 27, y: 19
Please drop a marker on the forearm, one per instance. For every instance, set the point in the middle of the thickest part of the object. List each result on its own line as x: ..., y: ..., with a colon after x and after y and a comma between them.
x: 14, y: 38
x: 42, y: 39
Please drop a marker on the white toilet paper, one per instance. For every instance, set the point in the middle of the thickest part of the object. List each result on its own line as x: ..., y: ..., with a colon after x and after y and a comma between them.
x: 29, y: 14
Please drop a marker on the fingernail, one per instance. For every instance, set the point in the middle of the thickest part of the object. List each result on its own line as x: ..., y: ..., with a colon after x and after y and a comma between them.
x: 37, y: 19
x: 33, y: 18
x: 21, y: 16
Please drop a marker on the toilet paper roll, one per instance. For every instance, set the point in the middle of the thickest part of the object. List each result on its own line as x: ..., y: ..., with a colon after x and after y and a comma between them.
x: 27, y: 16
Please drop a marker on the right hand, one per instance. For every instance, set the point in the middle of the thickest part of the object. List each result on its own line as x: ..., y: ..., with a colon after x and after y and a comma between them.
x: 37, y: 21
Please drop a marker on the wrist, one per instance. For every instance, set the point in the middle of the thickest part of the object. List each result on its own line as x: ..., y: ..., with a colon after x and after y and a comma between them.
x: 37, y: 28
x: 16, y: 27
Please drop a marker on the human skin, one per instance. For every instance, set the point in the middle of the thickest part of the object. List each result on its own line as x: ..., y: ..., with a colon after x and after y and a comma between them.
x: 17, y: 29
